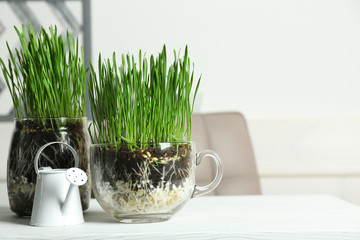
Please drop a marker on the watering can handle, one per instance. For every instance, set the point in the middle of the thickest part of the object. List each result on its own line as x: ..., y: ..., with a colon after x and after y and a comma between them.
x: 36, y: 162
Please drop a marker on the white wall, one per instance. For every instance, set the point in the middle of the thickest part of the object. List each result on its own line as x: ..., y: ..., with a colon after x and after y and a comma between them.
x: 268, y: 59
x: 292, y: 67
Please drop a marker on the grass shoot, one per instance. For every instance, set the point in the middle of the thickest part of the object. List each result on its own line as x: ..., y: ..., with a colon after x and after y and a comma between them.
x: 46, y: 77
x: 141, y: 101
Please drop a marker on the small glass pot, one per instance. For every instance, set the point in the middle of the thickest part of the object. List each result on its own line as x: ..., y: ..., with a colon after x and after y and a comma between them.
x: 28, y: 136
x: 147, y: 182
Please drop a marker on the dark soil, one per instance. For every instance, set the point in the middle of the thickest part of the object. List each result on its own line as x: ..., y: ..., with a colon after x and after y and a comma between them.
x: 172, y: 163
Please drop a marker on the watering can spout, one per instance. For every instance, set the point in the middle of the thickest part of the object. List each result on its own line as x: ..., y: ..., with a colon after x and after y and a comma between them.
x: 76, y: 177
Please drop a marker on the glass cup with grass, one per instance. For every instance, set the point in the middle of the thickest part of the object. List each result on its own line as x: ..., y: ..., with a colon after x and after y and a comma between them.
x: 46, y: 80
x: 143, y: 160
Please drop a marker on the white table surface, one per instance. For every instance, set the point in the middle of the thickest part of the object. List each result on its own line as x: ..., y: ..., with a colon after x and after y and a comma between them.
x: 232, y: 217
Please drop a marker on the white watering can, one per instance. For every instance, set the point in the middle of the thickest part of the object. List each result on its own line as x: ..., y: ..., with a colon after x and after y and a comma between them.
x: 57, y: 198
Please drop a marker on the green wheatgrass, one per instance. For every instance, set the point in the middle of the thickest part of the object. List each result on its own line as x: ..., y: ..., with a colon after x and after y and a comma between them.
x: 140, y: 103
x: 46, y: 77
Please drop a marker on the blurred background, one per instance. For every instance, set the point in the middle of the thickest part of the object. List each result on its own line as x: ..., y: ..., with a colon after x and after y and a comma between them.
x: 291, y: 67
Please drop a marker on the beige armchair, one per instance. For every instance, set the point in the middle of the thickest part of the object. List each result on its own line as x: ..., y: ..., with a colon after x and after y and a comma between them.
x: 227, y: 134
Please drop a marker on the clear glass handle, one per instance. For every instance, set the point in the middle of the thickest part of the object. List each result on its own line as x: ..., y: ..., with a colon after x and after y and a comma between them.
x: 201, y: 190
